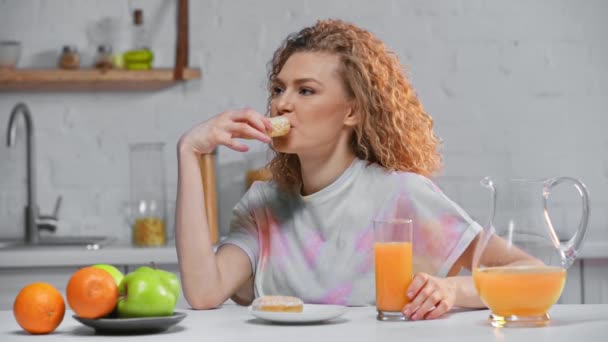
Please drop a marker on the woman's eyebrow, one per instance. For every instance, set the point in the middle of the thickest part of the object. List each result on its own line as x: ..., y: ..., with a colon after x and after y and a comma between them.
x: 298, y: 80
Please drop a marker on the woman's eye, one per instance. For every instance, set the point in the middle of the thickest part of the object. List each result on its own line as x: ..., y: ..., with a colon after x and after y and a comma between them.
x: 306, y: 91
x: 277, y: 91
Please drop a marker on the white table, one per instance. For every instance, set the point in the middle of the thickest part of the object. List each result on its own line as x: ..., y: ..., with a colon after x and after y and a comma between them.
x: 234, y: 323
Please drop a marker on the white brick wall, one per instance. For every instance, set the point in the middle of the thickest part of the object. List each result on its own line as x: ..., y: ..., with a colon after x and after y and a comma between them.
x: 515, y: 88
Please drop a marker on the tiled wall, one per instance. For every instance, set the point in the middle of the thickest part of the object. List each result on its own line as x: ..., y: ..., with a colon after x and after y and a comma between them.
x: 515, y: 88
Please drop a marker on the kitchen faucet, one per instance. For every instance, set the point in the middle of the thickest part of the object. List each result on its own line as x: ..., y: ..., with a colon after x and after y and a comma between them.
x: 33, y: 221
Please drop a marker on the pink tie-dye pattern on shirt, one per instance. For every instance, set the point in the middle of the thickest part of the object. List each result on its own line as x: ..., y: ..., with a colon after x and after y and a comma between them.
x: 312, y: 249
x: 403, y: 209
x: 338, y: 295
x: 437, y: 236
x: 273, y: 243
x: 364, y: 245
x: 452, y: 231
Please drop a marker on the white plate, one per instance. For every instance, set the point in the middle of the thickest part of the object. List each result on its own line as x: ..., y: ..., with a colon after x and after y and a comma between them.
x: 310, y: 314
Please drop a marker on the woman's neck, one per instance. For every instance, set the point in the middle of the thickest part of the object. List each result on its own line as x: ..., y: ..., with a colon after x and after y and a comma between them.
x: 323, y: 167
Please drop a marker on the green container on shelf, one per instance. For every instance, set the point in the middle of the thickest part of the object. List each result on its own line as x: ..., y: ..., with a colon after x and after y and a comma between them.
x: 140, y: 59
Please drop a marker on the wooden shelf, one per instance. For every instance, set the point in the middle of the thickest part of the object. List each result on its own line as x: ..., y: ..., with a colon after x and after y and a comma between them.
x: 91, y: 79
x: 109, y: 80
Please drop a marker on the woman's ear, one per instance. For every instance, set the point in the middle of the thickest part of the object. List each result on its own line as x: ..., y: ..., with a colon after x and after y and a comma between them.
x: 352, y: 118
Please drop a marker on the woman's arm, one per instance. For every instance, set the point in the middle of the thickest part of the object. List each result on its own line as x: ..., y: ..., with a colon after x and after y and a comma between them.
x: 209, y: 278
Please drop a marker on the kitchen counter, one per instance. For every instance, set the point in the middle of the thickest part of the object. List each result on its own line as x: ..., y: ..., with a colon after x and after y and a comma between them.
x: 128, y: 254
x: 234, y: 323
x: 79, y: 256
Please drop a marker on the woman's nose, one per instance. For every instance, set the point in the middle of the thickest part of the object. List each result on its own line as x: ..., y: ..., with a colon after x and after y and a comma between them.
x: 284, y: 104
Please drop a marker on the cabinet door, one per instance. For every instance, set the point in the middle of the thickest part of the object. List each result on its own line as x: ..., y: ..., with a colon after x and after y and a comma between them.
x: 13, y: 280
x: 573, y: 290
x: 595, y: 281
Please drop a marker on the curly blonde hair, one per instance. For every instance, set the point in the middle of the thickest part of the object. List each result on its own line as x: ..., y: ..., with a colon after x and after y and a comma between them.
x: 394, y: 131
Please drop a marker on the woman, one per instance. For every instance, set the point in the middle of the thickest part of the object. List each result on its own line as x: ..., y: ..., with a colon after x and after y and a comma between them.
x: 360, y: 147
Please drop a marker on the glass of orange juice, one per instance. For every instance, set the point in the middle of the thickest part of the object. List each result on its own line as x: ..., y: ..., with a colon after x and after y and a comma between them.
x: 393, y: 266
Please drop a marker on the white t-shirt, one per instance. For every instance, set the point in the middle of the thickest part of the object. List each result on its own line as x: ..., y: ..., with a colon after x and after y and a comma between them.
x: 320, y: 247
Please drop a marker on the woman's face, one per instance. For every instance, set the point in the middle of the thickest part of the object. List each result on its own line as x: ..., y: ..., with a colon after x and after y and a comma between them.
x: 309, y: 91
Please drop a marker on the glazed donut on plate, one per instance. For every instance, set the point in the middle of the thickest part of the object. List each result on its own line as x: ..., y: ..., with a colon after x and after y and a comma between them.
x: 278, y: 304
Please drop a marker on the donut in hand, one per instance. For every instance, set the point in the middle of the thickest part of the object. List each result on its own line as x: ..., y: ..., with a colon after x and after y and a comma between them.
x: 280, y: 126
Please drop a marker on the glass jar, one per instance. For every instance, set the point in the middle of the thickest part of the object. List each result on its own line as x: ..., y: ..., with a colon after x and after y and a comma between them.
x: 69, y: 59
x: 147, y: 206
x: 104, y: 58
x: 148, y: 221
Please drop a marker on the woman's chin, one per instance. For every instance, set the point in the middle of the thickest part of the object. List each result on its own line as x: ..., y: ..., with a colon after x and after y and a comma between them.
x: 281, y: 145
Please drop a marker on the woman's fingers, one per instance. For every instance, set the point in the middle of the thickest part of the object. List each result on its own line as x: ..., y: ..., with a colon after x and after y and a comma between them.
x: 414, y: 306
x: 227, y: 140
x: 430, y: 297
x: 237, y: 146
x: 228, y: 126
x: 428, y: 305
x: 255, y: 119
x: 420, y: 279
x: 244, y: 130
x: 420, y: 292
x: 267, y: 124
x: 440, y: 308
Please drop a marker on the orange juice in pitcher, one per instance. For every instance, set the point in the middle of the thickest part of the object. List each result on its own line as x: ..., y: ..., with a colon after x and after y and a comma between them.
x: 522, y: 291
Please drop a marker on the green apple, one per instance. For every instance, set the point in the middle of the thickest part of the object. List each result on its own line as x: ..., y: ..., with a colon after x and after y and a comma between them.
x: 114, y: 272
x: 148, y: 292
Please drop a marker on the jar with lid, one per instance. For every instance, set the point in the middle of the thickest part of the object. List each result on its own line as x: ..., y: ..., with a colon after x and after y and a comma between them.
x: 70, y: 58
x: 104, y: 58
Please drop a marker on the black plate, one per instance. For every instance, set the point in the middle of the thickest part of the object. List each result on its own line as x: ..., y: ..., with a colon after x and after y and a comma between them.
x: 140, y: 325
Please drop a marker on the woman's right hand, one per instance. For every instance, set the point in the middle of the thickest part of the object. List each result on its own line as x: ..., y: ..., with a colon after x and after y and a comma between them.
x: 224, y: 129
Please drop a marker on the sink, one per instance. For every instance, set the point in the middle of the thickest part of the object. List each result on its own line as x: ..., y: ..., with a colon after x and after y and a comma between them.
x: 86, y: 242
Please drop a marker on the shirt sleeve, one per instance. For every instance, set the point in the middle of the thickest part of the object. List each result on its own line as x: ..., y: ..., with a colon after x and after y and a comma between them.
x: 442, y: 229
x: 243, y: 228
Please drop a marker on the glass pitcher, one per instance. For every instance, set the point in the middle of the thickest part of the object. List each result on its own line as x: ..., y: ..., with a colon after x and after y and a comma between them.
x: 519, y: 263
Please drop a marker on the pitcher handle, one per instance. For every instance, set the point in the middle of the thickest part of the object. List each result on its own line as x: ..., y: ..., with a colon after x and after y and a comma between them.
x: 570, y: 248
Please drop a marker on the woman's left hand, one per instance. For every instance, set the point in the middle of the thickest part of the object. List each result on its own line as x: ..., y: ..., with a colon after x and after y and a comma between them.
x: 430, y: 297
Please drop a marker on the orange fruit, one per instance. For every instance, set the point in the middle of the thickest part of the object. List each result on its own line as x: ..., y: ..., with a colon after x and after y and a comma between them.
x: 39, y: 308
x: 92, y: 292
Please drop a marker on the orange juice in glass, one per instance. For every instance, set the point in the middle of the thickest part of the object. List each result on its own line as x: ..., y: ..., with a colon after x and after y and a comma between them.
x: 393, y: 267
